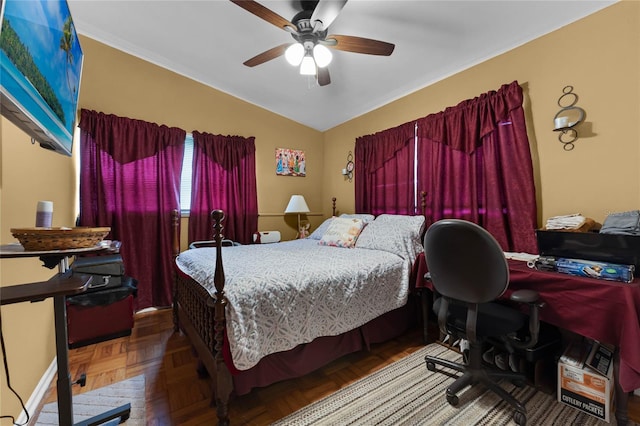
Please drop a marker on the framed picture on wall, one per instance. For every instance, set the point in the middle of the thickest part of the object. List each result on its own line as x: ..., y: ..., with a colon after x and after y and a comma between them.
x: 290, y: 162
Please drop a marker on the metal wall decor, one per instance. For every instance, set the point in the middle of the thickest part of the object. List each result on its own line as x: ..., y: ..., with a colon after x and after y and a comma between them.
x: 567, y: 118
x: 347, y: 172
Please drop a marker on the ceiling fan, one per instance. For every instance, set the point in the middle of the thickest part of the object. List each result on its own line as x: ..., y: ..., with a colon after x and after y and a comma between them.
x: 309, y: 30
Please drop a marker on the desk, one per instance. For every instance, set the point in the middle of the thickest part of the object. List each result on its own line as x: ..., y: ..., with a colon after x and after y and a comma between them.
x: 58, y: 287
x: 606, y: 311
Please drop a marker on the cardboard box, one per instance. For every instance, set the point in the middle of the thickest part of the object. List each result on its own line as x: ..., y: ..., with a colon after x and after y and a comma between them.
x: 583, y: 387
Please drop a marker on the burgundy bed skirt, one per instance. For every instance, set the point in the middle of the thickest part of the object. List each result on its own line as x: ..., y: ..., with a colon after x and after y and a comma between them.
x: 306, y: 358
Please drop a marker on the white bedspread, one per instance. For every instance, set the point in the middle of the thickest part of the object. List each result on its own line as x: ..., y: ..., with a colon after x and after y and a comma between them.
x: 281, y: 295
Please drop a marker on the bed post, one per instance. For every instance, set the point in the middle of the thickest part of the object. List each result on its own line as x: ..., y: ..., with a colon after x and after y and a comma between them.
x: 175, y: 234
x: 426, y: 297
x: 175, y: 250
x: 223, y: 384
x: 333, y: 206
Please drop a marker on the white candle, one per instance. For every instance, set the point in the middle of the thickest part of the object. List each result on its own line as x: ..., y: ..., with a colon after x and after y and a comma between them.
x: 44, y: 214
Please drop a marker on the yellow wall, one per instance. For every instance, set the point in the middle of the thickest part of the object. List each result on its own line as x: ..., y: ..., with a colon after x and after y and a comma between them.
x: 29, y: 173
x: 598, y: 55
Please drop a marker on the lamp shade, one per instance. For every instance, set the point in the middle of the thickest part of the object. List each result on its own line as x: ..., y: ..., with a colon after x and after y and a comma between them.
x: 322, y: 55
x: 308, y: 66
x: 297, y: 204
x: 294, y: 54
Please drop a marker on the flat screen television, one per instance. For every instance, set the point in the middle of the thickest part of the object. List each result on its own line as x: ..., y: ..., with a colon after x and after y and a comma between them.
x: 40, y: 68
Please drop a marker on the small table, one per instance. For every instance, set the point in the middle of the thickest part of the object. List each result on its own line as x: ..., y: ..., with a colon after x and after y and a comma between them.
x: 58, y: 287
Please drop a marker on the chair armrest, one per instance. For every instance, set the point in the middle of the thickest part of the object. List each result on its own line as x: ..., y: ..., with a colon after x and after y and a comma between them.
x: 532, y: 298
x: 525, y: 296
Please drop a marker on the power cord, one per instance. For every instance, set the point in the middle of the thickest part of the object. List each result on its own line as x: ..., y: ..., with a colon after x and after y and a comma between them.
x: 6, y: 372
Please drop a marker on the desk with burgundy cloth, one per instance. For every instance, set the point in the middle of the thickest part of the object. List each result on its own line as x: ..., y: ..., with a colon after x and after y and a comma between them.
x: 602, y: 310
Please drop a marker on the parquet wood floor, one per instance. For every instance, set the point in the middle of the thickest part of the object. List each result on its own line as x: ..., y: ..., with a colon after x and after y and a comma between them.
x: 176, y: 396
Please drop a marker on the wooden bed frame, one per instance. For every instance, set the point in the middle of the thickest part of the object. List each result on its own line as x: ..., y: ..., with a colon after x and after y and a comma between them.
x: 201, y: 316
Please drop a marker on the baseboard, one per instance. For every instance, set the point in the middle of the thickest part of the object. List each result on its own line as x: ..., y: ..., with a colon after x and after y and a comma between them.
x: 636, y: 392
x: 38, y: 393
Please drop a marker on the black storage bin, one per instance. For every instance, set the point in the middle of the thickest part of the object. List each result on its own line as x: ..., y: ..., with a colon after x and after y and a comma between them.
x: 102, y: 297
x: 612, y: 248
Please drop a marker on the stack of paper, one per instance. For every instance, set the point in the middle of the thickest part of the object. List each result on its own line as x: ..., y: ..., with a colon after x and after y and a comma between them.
x: 570, y: 221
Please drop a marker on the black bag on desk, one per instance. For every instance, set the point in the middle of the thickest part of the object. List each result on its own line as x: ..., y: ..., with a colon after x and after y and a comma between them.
x: 106, y: 271
x: 103, y: 296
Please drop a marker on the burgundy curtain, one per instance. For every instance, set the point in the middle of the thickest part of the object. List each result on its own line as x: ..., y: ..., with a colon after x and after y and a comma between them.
x: 130, y: 181
x: 474, y: 162
x: 384, y: 172
x: 224, y: 178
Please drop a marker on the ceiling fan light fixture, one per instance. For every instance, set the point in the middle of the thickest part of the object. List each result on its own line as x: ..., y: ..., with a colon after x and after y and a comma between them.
x: 322, y: 55
x: 308, y: 66
x: 294, y: 54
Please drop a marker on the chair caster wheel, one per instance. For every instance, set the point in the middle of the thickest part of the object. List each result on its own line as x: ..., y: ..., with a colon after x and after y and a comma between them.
x: 452, y: 399
x: 431, y: 366
x: 520, y: 418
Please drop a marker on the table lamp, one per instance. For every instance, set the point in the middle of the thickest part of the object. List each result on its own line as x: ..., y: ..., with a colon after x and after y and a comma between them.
x: 298, y: 205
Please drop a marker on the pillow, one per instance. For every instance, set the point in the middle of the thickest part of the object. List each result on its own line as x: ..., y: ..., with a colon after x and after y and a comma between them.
x: 320, y: 230
x: 342, y: 232
x: 398, y: 234
x: 367, y: 218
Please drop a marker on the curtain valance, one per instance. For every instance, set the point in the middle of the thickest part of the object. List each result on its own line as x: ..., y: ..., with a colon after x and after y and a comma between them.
x: 372, y: 151
x: 225, y: 150
x: 127, y: 139
x: 462, y: 127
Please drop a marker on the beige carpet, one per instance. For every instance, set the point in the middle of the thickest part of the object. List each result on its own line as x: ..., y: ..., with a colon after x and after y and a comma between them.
x: 89, y: 404
x: 406, y: 393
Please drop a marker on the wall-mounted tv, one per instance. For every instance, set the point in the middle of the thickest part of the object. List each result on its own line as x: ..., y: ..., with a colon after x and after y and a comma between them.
x: 41, y: 66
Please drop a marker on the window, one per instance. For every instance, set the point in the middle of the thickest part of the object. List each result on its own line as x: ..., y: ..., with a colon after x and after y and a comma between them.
x: 185, y: 177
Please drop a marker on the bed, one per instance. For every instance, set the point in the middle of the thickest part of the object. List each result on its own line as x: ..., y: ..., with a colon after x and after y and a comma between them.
x: 261, y: 313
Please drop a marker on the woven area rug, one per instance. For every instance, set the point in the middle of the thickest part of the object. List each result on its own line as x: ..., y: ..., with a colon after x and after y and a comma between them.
x: 406, y: 393
x: 92, y: 403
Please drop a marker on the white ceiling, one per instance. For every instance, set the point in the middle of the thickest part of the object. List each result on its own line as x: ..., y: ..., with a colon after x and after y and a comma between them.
x: 208, y: 40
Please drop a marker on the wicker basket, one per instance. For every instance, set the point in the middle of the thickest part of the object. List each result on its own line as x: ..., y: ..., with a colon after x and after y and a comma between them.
x: 43, y: 239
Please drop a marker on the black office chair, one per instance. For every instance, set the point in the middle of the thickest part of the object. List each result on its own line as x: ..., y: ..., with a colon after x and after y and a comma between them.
x: 468, y: 270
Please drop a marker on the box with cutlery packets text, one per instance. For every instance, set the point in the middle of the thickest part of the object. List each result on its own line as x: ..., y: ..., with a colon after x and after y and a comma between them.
x: 585, y: 378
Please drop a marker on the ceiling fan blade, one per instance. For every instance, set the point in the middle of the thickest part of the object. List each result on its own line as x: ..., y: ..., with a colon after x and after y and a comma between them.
x: 360, y: 45
x: 323, y: 76
x: 262, y: 12
x: 267, y: 55
x: 326, y: 11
